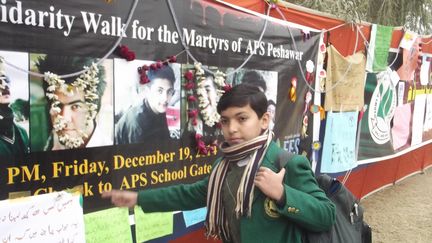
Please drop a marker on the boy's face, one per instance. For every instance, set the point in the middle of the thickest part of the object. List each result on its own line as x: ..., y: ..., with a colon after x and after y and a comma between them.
x: 241, y: 124
x: 272, y: 110
x: 158, y: 94
x: 5, y: 94
x: 210, y: 91
x: 74, y: 111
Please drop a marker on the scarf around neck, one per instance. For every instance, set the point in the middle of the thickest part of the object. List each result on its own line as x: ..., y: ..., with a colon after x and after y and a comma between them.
x: 216, y: 223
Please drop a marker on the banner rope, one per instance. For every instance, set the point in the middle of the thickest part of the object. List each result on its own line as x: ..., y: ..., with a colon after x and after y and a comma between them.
x: 366, y: 43
x: 301, y: 68
x: 131, y: 12
x: 186, y: 47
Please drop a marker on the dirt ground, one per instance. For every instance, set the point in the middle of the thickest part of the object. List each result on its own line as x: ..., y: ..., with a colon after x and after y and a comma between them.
x: 402, y: 212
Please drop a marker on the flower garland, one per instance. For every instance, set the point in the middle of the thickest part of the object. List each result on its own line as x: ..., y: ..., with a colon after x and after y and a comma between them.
x: 210, y: 117
x: 124, y: 52
x: 142, y: 71
x: 86, y: 82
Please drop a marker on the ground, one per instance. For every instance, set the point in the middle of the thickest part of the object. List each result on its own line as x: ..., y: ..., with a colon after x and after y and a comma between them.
x: 402, y: 212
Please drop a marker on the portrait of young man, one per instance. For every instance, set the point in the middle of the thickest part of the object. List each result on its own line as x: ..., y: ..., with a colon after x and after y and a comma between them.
x: 206, y: 94
x: 76, y: 118
x: 141, y: 108
x: 14, y: 144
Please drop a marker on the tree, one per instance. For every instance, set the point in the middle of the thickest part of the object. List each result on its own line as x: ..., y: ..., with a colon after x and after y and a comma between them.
x: 415, y: 15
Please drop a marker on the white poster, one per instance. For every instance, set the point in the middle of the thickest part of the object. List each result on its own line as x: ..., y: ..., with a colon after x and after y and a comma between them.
x: 424, y: 71
x: 428, y: 116
x: 53, y: 217
x: 418, y: 117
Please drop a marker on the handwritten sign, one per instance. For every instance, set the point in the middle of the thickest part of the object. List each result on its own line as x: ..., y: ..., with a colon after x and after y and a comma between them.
x: 401, y: 126
x: 53, y: 217
x: 345, y: 81
x: 194, y: 216
x: 378, y: 48
x: 428, y: 116
x: 339, y: 142
x: 152, y: 225
x: 418, y: 118
x: 111, y: 225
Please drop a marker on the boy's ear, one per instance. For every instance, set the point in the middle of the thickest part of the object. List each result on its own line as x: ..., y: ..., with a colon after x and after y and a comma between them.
x: 265, y: 121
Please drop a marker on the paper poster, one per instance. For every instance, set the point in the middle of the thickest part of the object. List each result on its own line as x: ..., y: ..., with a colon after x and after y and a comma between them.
x: 424, y: 71
x: 152, y: 225
x: 379, y: 45
x: 194, y: 216
x: 339, y: 153
x: 400, y: 93
x: 394, y: 77
x: 371, y: 49
x: 409, y: 62
x: 418, y: 118
x: 53, y: 217
x: 401, y: 126
x: 345, y: 81
x: 108, y: 226
x: 428, y: 115
x: 408, y: 40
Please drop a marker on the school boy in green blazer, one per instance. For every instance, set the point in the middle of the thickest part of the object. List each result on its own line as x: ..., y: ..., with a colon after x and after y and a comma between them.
x: 247, y: 198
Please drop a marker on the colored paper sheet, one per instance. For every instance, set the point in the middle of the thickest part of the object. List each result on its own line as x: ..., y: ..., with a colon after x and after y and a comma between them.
x: 345, y: 81
x: 194, y: 216
x: 418, y: 118
x: 428, y: 115
x: 408, y: 40
x: 409, y: 62
x: 424, y: 71
x: 400, y: 93
x: 339, y: 152
x: 152, y: 225
x: 382, y: 45
x: 52, y: 217
x: 401, y: 126
x: 379, y: 45
x: 108, y: 226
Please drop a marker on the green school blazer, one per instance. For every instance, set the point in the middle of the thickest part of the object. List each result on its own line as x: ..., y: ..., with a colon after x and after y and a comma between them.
x: 306, y: 204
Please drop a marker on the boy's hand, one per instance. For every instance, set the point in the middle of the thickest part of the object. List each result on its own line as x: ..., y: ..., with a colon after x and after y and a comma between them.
x: 122, y: 198
x: 270, y: 183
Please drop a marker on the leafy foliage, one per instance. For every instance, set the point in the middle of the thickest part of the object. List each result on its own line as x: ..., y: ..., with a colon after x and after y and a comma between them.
x: 415, y: 15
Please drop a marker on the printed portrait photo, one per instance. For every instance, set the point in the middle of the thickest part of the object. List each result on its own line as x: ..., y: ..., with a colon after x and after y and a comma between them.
x: 14, y: 106
x: 266, y: 81
x: 70, y: 112
x: 146, y: 111
x: 199, y: 103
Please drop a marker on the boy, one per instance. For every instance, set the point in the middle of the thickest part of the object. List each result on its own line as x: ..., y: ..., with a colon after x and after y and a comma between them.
x: 147, y: 121
x: 74, y: 125
x: 264, y: 205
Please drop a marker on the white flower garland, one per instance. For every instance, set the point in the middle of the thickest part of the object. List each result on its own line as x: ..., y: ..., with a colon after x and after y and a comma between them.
x: 86, y: 82
x: 210, y: 117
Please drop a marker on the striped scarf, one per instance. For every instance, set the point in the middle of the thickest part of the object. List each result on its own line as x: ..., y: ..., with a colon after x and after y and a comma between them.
x: 216, y: 223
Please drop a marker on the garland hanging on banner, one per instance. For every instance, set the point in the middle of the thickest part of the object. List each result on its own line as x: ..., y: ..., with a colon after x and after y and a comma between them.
x: 87, y: 83
x: 197, y: 92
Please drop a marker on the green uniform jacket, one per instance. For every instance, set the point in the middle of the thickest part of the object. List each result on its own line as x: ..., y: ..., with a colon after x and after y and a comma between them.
x: 306, y: 204
x: 15, y: 152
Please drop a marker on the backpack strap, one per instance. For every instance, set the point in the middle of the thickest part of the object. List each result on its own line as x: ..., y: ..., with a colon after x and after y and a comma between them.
x: 283, y: 158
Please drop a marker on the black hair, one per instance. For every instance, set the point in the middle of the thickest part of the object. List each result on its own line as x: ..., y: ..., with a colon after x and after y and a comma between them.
x: 65, y: 64
x: 242, y: 95
x: 271, y: 102
x: 4, y: 81
x: 165, y: 72
x: 254, y: 78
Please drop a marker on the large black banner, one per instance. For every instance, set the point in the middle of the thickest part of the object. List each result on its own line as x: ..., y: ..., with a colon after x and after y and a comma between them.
x: 107, y: 127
